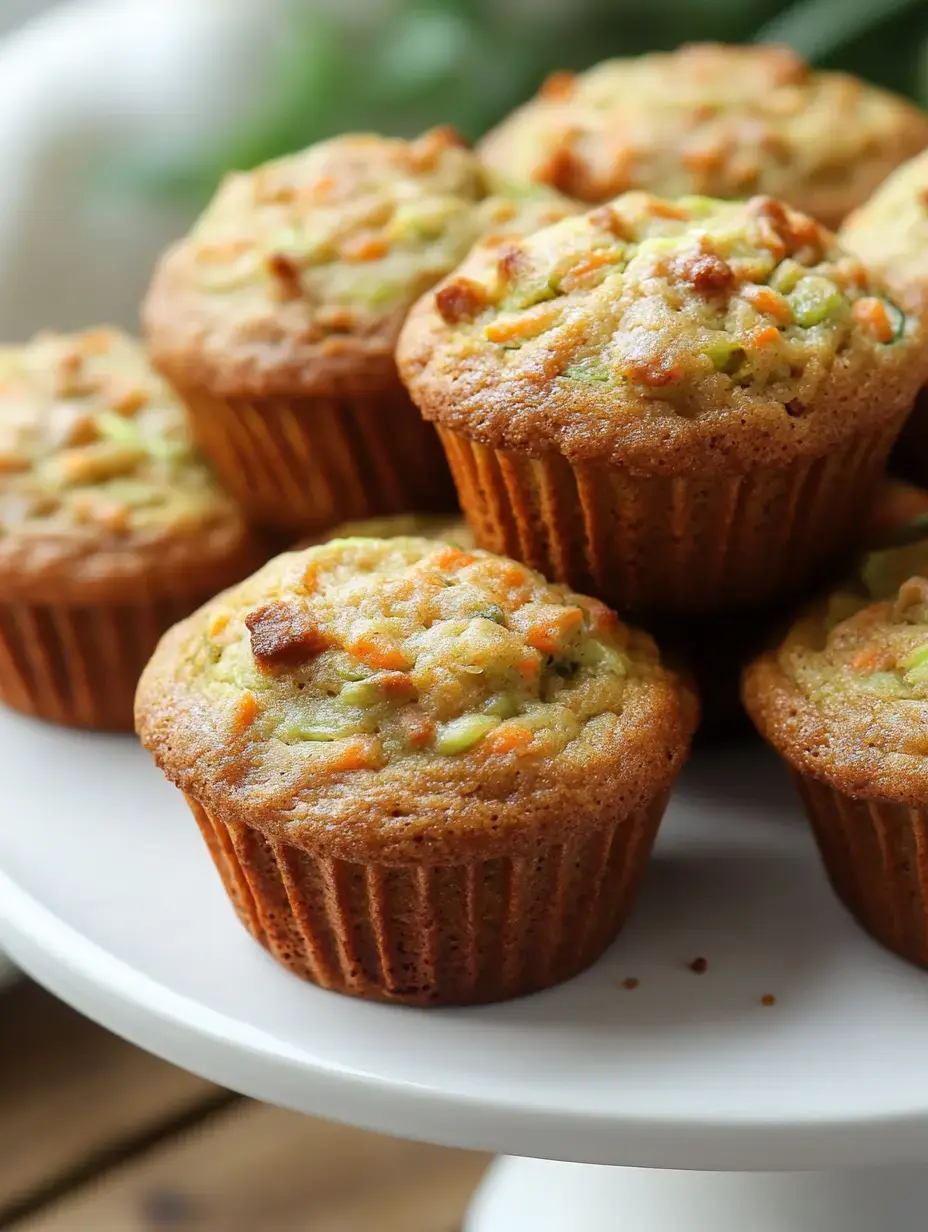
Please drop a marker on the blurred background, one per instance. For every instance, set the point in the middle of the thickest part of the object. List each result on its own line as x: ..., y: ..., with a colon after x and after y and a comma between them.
x: 117, y: 117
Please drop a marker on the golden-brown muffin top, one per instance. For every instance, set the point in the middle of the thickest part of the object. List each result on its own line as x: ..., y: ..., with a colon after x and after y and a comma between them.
x: 647, y: 323
x: 362, y: 669
x: 719, y: 120
x: 890, y: 231
x: 325, y: 250
x: 845, y: 695
x: 97, y: 470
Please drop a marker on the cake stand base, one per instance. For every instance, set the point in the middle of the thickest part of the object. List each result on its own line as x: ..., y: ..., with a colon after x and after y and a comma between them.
x: 532, y: 1195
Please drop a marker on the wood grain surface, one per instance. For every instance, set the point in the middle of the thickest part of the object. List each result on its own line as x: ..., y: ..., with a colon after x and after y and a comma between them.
x: 97, y: 1136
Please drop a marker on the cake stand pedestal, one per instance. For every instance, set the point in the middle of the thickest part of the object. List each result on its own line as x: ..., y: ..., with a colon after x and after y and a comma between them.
x: 530, y: 1195
x: 818, y: 1101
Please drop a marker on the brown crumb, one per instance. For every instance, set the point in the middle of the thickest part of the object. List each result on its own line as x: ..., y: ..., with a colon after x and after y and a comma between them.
x: 631, y: 983
x: 768, y: 999
x: 460, y: 300
x: 699, y: 965
x: 283, y: 635
x: 286, y: 274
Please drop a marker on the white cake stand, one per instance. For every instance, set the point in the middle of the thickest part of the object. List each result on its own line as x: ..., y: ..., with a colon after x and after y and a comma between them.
x: 108, y: 897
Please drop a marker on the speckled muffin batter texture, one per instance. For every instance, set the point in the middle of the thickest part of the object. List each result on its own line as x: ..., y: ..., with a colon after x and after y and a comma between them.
x: 110, y: 526
x: 890, y: 233
x: 276, y: 319
x: 844, y: 700
x: 713, y: 344
x: 418, y: 721
x: 719, y: 120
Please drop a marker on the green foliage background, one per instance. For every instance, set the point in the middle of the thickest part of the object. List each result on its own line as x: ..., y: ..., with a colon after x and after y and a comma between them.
x: 412, y: 63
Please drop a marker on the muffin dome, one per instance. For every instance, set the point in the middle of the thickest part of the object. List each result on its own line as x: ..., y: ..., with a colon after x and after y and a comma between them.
x: 664, y: 334
x: 299, y: 273
x: 890, y: 232
x: 99, y: 486
x: 724, y: 121
x: 366, y: 683
x: 845, y: 696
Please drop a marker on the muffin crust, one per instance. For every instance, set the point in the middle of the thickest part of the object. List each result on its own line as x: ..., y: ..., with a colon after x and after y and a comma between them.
x: 297, y: 277
x: 689, y: 336
x: 405, y: 700
x: 101, y: 495
x: 844, y: 698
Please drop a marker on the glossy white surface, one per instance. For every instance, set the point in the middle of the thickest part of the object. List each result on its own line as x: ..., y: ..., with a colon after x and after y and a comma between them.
x: 107, y: 896
x: 530, y: 1195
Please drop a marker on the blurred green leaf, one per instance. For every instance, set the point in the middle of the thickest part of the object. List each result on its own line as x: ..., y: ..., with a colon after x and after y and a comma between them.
x: 817, y: 27
x: 409, y: 64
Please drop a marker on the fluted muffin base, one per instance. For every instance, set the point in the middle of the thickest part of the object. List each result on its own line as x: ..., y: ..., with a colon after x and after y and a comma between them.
x: 79, y: 665
x: 876, y: 855
x: 458, y: 934
x: 671, y: 543
x: 302, y: 464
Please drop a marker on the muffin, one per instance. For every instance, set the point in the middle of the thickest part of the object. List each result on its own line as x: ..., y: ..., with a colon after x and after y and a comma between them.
x: 425, y: 775
x: 402, y: 525
x: 680, y: 406
x: 276, y: 319
x: 844, y: 701
x: 110, y: 528
x: 890, y: 234
x: 721, y: 121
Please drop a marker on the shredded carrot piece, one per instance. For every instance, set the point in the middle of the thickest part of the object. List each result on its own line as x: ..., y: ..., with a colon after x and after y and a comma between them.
x: 451, y: 558
x: 529, y: 325
x: 364, y: 248
x: 666, y: 209
x: 512, y: 576
x: 507, y: 739
x: 419, y: 729
x: 378, y: 651
x: 765, y: 336
x: 246, y: 711
x: 870, y: 313
x: 528, y: 666
x: 548, y: 635
x: 310, y: 576
x: 765, y: 300
x: 596, y: 260
x: 394, y: 685
x: 359, y: 753
x: 871, y: 660
x: 218, y: 624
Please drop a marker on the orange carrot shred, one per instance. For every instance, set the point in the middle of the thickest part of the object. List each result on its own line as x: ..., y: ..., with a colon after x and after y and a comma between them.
x: 765, y: 300
x: 764, y: 336
x: 508, y: 739
x: 378, y: 651
x: 359, y: 753
x: 451, y: 558
x: 246, y: 711
x: 870, y: 313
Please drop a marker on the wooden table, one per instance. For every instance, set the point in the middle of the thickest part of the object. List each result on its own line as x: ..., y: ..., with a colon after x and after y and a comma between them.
x: 97, y: 1136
